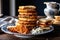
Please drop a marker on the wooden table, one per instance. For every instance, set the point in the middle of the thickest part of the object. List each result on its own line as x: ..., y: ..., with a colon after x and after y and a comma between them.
x: 54, y: 35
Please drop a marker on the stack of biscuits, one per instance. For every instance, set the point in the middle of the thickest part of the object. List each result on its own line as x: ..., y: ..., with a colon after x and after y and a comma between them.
x: 44, y: 23
x: 56, y: 20
x: 26, y: 19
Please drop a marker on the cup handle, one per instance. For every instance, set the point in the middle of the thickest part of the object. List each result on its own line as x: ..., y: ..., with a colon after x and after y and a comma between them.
x: 59, y: 5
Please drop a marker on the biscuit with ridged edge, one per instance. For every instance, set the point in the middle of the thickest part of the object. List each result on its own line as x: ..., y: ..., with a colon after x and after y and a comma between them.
x: 27, y: 19
x: 27, y: 7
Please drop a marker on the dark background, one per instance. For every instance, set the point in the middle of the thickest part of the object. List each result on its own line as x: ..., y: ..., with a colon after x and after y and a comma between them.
x: 38, y: 3
x: 5, y: 7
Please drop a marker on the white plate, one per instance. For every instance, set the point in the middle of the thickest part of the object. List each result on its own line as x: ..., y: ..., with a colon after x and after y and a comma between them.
x: 4, y: 29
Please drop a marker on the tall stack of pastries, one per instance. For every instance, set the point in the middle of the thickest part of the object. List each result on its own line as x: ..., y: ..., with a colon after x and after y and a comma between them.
x: 26, y: 19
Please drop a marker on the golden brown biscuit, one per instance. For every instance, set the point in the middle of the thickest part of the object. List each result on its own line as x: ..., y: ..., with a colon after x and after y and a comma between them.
x: 56, y: 21
x: 27, y: 19
x: 44, y: 25
x: 31, y: 17
x: 26, y: 10
x: 26, y: 24
x: 28, y: 13
x: 46, y: 28
x: 57, y: 18
x: 44, y: 20
x: 27, y: 16
x: 27, y: 7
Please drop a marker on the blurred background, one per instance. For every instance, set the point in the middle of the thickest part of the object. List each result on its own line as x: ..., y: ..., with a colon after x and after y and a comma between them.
x: 10, y: 7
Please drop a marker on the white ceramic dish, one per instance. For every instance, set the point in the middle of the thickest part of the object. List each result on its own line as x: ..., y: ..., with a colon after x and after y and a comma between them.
x: 4, y: 29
